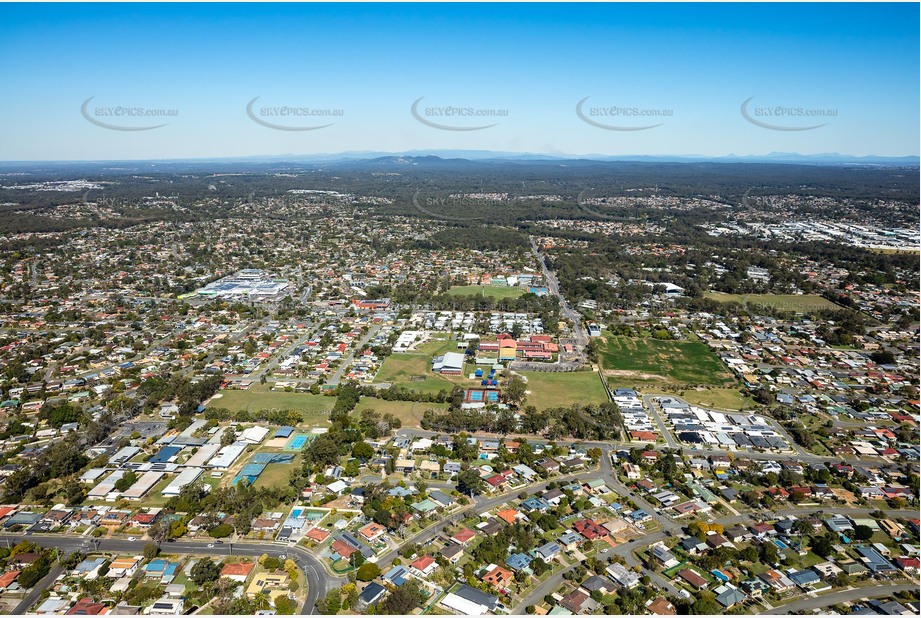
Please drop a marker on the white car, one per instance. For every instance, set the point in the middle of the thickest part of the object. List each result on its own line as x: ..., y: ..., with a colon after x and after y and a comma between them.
x: 210, y: 545
x: 132, y: 538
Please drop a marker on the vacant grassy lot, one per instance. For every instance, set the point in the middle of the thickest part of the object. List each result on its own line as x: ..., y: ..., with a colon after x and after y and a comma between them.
x: 551, y: 390
x: 636, y: 361
x: 314, y: 408
x: 489, y: 291
x: 409, y: 412
x: 718, y: 398
x: 797, y: 303
x: 437, y: 346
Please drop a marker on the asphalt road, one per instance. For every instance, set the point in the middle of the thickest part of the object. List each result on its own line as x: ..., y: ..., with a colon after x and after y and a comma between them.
x: 480, y: 504
x: 345, y: 362
x: 37, y: 590
x: 554, y: 287
x: 319, y: 581
x: 843, y: 596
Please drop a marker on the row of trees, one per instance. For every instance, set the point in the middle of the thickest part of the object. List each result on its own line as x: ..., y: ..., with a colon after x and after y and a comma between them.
x: 582, y: 422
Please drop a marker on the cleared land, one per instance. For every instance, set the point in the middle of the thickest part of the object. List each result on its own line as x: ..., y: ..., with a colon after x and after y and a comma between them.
x: 314, y: 408
x: 409, y: 412
x: 717, y: 398
x: 489, y: 291
x: 798, y: 303
x: 651, y: 361
x: 551, y: 390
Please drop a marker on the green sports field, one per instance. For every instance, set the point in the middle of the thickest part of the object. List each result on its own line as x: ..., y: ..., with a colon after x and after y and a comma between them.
x: 315, y: 408
x: 797, y: 303
x: 489, y: 291
x: 629, y: 360
x: 552, y: 390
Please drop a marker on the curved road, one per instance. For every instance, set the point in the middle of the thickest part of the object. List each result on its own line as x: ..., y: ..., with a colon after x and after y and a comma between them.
x: 843, y: 596
x: 319, y: 581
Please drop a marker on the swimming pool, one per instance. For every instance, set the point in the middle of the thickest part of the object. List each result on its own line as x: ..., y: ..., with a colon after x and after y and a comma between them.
x: 296, y: 513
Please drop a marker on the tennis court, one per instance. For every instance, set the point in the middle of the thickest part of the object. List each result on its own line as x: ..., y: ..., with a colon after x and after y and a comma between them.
x: 250, y: 472
x: 298, y: 442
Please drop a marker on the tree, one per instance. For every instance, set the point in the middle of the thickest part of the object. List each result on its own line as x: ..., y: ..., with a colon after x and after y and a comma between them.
x: 129, y: 479
x: 863, y: 533
x: 205, y: 571
x: 539, y: 567
x: 368, y: 571
x: 821, y: 546
x: 220, y: 531
x: 333, y: 602
x: 362, y: 451
x: 705, y: 604
x: 883, y: 357
x: 357, y: 559
x: 285, y: 606
x: 470, y: 482
x: 515, y: 391
x: 403, y: 600
x: 33, y: 573
x: 151, y: 551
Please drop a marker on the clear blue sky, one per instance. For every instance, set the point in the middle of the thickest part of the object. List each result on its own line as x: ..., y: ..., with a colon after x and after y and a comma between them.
x: 700, y: 61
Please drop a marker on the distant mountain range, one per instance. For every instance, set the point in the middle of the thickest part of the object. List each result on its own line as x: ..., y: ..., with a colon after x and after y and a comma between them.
x: 460, y: 158
x: 434, y: 156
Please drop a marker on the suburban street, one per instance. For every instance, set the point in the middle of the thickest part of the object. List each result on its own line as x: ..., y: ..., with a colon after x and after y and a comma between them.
x: 842, y: 596
x: 346, y: 361
x: 319, y: 581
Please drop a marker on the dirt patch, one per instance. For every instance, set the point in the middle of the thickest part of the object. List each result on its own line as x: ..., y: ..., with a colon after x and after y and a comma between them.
x: 625, y: 373
x: 849, y: 498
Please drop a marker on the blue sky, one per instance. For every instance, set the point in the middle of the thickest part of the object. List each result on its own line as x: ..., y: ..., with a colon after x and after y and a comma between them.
x: 691, y: 65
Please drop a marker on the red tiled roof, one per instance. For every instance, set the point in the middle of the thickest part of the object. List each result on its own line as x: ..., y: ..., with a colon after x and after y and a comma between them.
x: 317, y: 534
x: 237, y: 568
x: 8, y: 578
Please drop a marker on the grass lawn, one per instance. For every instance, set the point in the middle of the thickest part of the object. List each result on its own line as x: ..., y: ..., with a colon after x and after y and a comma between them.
x: 277, y: 474
x: 409, y: 412
x: 488, y: 291
x: 551, y: 390
x: 414, y: 369
x: 637, y: 361
x: 718, y: 398
x: 314, y: 408
x: 153, y: 497
x: 798, y: 303
x: 437, y: 346
x: 810, y: 560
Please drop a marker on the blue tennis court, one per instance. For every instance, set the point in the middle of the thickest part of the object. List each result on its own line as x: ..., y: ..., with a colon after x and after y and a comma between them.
x: 298, y: 442
x: 250, y: 472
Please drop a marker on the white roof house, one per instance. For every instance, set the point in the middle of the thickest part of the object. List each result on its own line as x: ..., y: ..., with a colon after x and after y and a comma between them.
x: 186, y: 477
x: 106, y: 486
x: 227, y: 455
x: 253, y: 435
x: 463, y: 606
x: 451, y: 361
x: 143, y: 485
